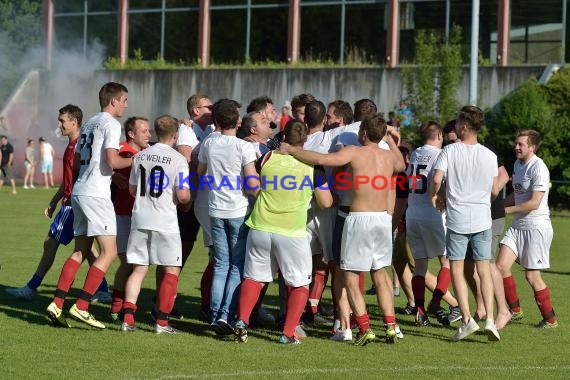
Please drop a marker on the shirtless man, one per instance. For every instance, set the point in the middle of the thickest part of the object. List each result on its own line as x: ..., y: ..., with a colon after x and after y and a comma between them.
x: 367, y: 235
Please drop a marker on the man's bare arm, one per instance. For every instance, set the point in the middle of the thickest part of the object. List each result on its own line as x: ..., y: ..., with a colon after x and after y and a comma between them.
x: 532, y: 204
x: 339, y: 158
x: 435, y: 187
x: 186, y: 151
x: 251, y: 185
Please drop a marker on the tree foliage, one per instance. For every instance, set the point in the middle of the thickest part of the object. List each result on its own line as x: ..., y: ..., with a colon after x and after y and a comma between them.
x: 432, y: 83
x: 19, y: 31
x: 543, y: 108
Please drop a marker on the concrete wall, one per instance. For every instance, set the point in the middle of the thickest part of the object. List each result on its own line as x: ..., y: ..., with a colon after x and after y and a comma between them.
x: 33, y: 113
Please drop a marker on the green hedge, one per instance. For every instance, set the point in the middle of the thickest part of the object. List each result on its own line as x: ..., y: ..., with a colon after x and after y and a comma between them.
x: 546, y: 109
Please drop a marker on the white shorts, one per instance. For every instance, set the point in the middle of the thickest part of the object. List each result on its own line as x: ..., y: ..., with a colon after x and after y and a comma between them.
x: 203, y: 217
x: 123, y: 232
x: 426, y: 238
x: 265, y: 252
x: 152, y: 247
x: 320, y: 229
x: 93, y: 216
x: 532, y: 247
x: 366, y: 241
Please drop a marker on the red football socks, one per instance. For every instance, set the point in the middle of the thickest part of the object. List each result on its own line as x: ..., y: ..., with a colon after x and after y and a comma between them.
x: 65, y: 281
x: 443, y: 281
x: 92, y: 282
x: 248, y: 295
x: 295, y: 305
x: 117, y: 302
x: 166, y: 296
x: 206, y: 286
x: 317, y: 290
x: 363, y: 322
x: 542, y: 298
x: 511, y: 294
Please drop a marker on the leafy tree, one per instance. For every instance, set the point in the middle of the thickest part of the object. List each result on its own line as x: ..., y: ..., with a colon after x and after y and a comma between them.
x: 543, y: 108
x: 432, y: 84
x: 19, y: 31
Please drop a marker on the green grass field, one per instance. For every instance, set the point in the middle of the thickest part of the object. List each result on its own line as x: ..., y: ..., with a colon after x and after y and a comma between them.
x: 31, y: 348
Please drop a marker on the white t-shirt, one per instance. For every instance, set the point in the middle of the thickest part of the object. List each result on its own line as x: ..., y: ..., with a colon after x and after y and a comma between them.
x: 225, y: 157
x: 469, y: 172
x: 47, y: 152
x: 157, y: 172
x: 528, y: 178
x: 186, y: 136
x: 100, y: 133
x: 419, y: 199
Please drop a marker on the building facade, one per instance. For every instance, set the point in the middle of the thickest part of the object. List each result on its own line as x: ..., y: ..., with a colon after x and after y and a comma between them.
x: 342, y: 31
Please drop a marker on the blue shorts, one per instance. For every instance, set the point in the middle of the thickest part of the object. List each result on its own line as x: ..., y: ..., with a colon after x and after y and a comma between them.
x: 46, y: 167
x: 456, y: 244
x: 61, y: 228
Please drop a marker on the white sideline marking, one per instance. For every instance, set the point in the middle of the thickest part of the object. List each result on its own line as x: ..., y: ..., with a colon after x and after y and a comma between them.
x: 308, y: 371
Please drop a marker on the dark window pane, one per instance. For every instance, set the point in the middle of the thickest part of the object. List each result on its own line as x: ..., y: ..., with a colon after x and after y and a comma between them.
x: 320, y: 30
x: 102, y: 5
x: 144, y: 34
x: 103, y: 29
x: 181, y: 36
x: 269, y: 34
x: 145, y: 4
x: 68, y: 6
x: 370, y: 46
x: 68, y: 32
x: 228, y: 36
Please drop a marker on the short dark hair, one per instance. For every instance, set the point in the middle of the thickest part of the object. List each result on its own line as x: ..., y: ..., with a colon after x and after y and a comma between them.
x: 374, y: 126
x: 73, y: 111
x: 111, y: 90
x: 314, y: 113
x: 225, y: 113
x: 343, y: 109
x: 295, y: 132
x: 363, y: 108
x: 247, y: 122
x: 258, y: 104
x: 449, y: 126
x: 301, y: 100
x: 473, y: 116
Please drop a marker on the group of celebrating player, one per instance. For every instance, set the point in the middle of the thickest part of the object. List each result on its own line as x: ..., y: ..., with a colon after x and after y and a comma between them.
x: 140, y: 202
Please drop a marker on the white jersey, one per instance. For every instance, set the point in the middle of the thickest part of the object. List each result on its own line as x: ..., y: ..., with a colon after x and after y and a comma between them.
x: 469, y: 172
x: 225, y: 157
x: 186, y: 136
x: 419, y: 199
x: 100, y: 133
x: 157, y: 172
x: 528, y: 178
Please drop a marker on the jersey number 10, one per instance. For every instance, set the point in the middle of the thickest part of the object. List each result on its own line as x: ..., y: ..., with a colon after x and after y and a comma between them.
x: 155, y: 181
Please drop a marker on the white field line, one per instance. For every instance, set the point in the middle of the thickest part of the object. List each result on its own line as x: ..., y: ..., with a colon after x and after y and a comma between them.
x: 309, y: 371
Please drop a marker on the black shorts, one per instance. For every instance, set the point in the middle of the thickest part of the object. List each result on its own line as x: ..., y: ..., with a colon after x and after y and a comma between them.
x: 188, y: 225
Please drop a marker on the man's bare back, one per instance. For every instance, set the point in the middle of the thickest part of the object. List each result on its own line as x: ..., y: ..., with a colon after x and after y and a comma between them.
x: 372, y: 170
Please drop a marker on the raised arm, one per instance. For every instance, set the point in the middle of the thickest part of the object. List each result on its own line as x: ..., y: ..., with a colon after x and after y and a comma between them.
x: 339, y: 158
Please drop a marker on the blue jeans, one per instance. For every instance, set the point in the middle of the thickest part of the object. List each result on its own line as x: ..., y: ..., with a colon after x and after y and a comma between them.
x: 229, y: 237
x: 456, y: 245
